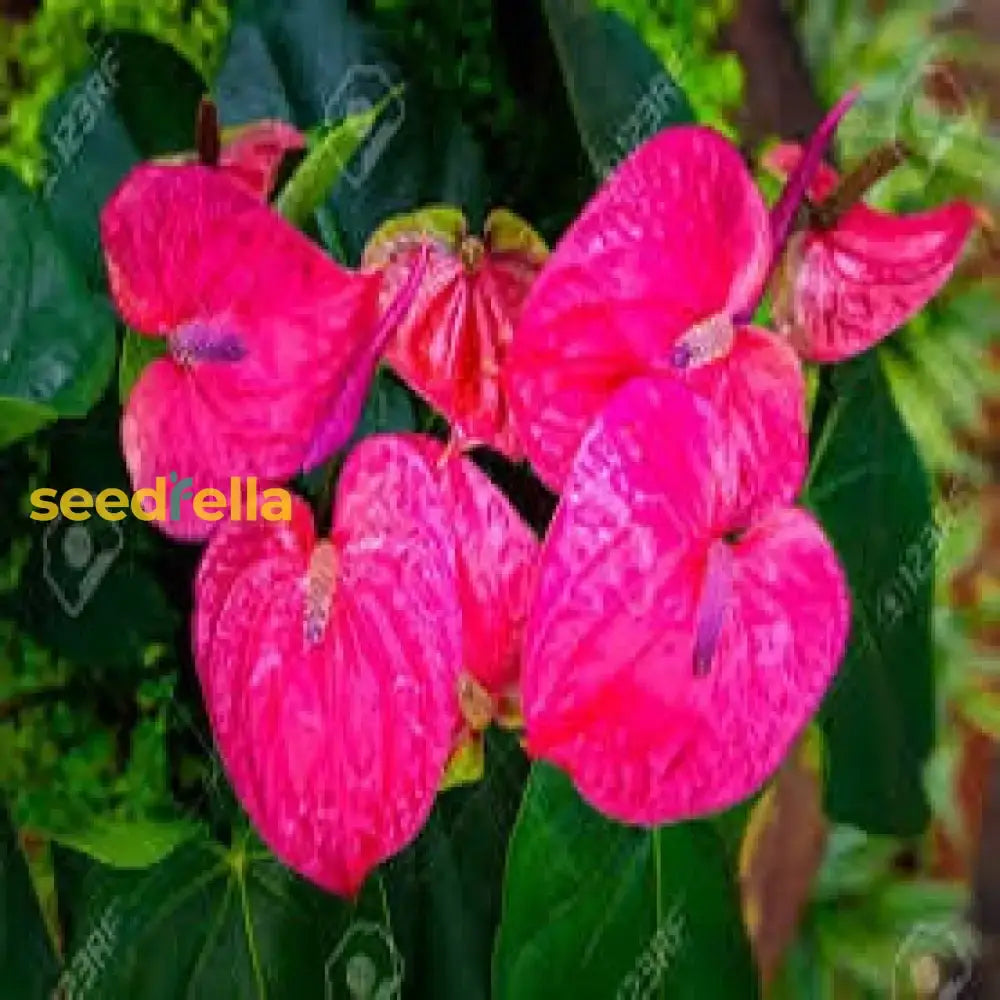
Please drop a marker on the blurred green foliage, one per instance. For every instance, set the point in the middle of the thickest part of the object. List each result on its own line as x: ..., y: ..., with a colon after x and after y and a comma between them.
x: 39, y: 57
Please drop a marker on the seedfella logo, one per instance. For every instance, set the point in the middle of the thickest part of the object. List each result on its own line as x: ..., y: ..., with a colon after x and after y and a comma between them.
x: 160, y: 503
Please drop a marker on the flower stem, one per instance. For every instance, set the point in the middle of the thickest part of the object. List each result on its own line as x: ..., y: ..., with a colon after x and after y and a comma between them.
x: 853, y: 186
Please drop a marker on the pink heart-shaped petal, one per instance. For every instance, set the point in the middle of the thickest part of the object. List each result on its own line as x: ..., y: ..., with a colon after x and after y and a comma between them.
x: 192, y: 256
x: 669, y: 661
x: 330, y: 668
x: 677, y: 235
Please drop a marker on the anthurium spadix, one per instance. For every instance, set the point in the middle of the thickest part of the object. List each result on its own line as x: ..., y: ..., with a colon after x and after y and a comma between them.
x: 452, y: 345
x: 855, y: 274
x: 270, y: 342
x: 649, y: 279
x: 341, y: 674
x: 678, y: 643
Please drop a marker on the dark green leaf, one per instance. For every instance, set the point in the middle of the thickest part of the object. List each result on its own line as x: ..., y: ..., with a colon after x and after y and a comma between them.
x: 444, y: 891
x: 388, y: 409
x: 619, y: 90
x: 137, y: 99
x: 213, y: 921
x: 869, y: 488
x: 312, y: 62
x: 616, y: 910
x: 56, y: 339
x: 28, y: 967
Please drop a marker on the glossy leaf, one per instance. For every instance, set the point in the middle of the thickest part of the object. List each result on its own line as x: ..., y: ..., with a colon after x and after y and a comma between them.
x: 869, y: 489
x: 28, y: 966
x: 630, y: 99
x: 136, y: 100
x: 616, y: 910
x: 91, y: 591
x: 210, y: 920
x: 126, y: 843
x: 445, y: 890
x: 312, y: 62
x: 56, y: 338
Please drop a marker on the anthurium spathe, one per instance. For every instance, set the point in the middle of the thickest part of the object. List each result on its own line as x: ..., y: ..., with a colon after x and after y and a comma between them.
x: 649, y: 279
x: 677, y: 645
x: 329, y: 667
x: 252, y: 154
x: 855, y: 274
x: 267, y: 337
x: 452, y: 346
x: 496, y: 559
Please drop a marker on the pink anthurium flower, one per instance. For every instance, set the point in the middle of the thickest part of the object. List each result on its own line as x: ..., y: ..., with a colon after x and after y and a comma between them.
x: 270, y: 343
x: 845, y: 286
x: 677, y: 645
x: 251, y: 155
x: 651, y: 279
x: 452, y: 345
x: 341, y: 674
x: 329, y: 667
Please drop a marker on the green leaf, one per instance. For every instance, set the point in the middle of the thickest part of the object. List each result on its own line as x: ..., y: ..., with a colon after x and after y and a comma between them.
x: 137, y: 843
x: 137, y: 352
x: 616, y: 910
x: 136, y: 100
x: 317, y: 175
x: 28, y: 965
x: 21, y: 418
x: 312, y: 62
x: 56, y: 338
x: 214, y: 921
x: 445, y: 890
x: 630, y: 97
x: 869, y: 489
